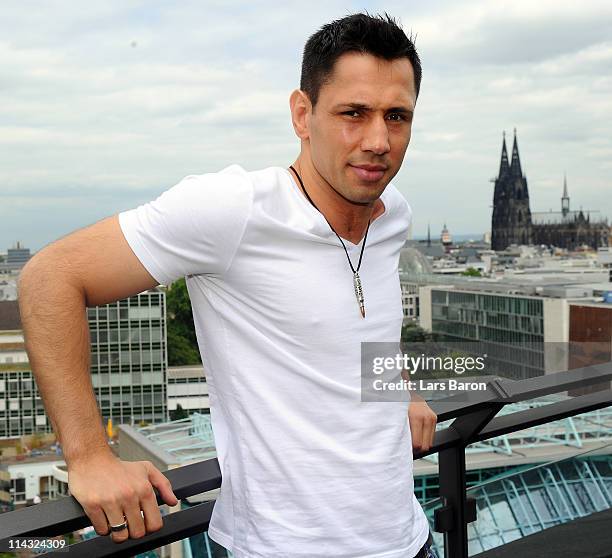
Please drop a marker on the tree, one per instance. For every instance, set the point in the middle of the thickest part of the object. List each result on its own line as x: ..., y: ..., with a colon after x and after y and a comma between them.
x: 182, y: 342
x: 472, y: 272
x: 412, y: 333
x: 180, y: 350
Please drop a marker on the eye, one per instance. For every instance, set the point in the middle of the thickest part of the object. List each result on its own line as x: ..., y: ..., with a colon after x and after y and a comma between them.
x: 351, y: 113
x: 400, y: 117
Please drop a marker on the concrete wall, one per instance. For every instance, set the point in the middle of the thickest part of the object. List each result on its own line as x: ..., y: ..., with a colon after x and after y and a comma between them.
x: 556, y: 334
x: 425, y: 307
x: 11, y: 337
x: 133, y: 446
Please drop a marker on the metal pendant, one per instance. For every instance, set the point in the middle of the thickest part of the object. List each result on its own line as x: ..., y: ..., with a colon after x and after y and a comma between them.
x: 359, y: 293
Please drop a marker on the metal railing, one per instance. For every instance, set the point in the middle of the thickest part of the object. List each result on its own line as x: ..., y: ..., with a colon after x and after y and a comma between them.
x: 475, y: 420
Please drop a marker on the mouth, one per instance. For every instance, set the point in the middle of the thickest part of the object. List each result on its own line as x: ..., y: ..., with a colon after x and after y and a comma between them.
x: 369, y: 173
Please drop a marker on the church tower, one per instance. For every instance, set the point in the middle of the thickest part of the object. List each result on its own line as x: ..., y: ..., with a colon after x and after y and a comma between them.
x: 511, y: 221
x: 565, y: 207
x: 445, y: 237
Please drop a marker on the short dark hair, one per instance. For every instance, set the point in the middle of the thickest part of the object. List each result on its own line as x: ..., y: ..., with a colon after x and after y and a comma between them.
x: 377, y: 35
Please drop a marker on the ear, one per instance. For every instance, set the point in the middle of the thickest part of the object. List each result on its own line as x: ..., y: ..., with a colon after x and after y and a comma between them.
x: 301, y: 109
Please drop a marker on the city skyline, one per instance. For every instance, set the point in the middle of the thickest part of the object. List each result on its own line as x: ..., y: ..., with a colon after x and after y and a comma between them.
x: 105, y: 107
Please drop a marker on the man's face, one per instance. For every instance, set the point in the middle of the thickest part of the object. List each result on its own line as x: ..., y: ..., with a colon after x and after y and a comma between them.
x: 360, y: 128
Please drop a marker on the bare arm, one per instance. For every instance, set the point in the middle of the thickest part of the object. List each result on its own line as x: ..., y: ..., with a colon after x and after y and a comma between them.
x: 92, y: 266
x: 89, y: 267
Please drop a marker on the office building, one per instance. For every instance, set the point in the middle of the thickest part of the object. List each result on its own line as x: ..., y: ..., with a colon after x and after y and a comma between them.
x: 187, y: 387
x: 129, y: 358
x: 16, y: 258
x: 520, y: 321
x: 128, y: 365
x: 21, y: 407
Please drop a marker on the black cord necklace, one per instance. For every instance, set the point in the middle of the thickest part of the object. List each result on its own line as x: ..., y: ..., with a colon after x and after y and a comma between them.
x: 356, y: 278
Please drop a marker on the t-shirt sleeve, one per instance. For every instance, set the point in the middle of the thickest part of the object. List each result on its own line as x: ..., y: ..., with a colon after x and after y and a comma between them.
x: 193, y: 228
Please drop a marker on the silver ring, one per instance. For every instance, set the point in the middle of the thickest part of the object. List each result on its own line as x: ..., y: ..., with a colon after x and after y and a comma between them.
x: 120, y: 527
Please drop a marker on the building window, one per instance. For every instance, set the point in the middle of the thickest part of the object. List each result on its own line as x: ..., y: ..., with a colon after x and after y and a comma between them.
x: 18, y: 490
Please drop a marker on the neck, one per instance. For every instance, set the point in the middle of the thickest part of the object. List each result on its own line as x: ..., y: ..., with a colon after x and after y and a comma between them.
x: 347, y: 218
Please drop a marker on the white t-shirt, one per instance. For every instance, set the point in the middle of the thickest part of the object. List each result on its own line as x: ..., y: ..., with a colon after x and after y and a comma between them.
x: 308, y: 469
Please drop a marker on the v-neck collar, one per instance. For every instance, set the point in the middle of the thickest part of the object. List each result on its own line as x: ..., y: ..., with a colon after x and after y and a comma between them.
x: 313, y: 210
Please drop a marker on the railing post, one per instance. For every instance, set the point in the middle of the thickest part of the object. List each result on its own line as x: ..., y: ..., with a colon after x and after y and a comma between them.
x: 451, y: 518
x: 458, y: 510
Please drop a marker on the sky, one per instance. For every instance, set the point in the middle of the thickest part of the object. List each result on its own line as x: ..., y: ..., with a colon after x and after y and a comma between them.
x: 105, y: 105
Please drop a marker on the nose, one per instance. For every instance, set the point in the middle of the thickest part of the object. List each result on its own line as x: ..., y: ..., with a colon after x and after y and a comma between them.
x: 376, y: 136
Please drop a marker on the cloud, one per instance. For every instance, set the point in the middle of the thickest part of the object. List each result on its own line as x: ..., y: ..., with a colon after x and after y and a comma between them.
x: 106, y: 105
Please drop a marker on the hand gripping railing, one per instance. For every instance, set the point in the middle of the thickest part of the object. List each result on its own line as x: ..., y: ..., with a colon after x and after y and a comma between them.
x: 474, y: 421
x: 66, y: 514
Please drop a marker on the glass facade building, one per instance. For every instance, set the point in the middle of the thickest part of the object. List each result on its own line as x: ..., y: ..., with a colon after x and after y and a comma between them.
x: 21, y: 408
x: 128, y: 368
x: 515, y: 505
x: 129, y: 358
x: 509, y: 329
x: 410, y: 301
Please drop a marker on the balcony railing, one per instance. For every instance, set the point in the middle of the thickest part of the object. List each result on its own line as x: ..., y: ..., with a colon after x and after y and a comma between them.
x: 474, y: 421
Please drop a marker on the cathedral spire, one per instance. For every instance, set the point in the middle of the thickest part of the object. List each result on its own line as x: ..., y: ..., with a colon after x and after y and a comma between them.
x: 428, y: 235
x: 511, y: 219
x: 503, y: 165
x: 565, y: 201
x: 515, y: 165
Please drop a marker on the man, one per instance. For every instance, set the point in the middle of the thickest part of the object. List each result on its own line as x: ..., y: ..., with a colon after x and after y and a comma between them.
x: 288, y: 271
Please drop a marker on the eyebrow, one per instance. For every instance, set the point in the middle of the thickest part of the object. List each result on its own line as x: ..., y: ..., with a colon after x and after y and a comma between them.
x: 364, y: 107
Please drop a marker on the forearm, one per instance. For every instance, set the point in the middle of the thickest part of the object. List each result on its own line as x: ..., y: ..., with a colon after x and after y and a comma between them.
x: 53, y: 314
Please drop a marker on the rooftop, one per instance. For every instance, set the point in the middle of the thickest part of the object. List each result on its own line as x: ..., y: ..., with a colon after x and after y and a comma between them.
x: 553, y: 285
x: 558, y: 217
x: 188, y: 371
x: 587, y: 536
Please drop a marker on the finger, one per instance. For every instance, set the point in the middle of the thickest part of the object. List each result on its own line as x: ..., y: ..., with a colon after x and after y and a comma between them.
x: 152, y: 516
x: 159, y: 481
x: 433, y: 432
x: 114, y: 516
x: 427, y: 434
x: 98, y: 520
x: 131, y: 509
x: 416, y: 427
